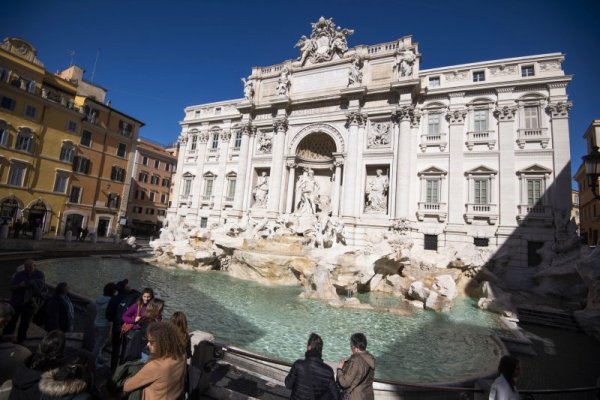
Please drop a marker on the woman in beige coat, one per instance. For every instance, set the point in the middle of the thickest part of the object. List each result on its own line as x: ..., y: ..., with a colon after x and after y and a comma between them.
x: 355, y: 375
x: 163, y: 376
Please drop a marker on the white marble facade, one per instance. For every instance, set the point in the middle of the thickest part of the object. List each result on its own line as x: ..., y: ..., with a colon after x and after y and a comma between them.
x: 461, y: 154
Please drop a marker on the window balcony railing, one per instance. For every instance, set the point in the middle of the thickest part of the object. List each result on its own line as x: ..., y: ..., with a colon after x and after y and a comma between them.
x: 533, y: 135
x: 482, y: 211
x: 539, y: 212
x: 228, y: 199
x: 439, y: 210
x: 481, y: 137
x: 433, y: 140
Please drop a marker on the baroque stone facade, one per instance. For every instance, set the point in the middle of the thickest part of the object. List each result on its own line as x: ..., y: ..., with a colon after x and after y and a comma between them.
x: 465, y: 154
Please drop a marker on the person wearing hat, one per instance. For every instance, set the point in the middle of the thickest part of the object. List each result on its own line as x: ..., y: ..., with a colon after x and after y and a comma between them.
x: 114, y: 313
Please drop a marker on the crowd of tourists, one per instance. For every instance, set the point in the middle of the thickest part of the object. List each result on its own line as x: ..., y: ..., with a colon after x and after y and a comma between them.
x: 149, y: 357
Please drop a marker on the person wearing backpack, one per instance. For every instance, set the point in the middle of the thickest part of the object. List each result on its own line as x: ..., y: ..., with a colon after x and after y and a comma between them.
x: 114, y: 313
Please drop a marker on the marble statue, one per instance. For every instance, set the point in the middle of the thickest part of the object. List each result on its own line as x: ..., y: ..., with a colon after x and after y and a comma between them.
x: 265, y: 142
x: 355, y: 74
x: 405, y: 63
x: 377, y: 193
x: 326, y: 40
x: 283, y: 84
x: 261, y: 190
x: 308, y: 189
x: 248, y: 88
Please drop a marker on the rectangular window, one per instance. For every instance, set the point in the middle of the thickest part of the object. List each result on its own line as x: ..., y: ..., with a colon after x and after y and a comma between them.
x: 527, y: 70
x: 161, y: 212
x: 163, y: 198
x: 230, y: 189
x: 481, y: 191
x: 208, y: 186
x: 203, y: 222
x: 150, y: 211
x: 433, y: 124
x: 194, y: 143
x: 532, y: 120
x: 434, y: 81
x: 75, y: 195
x: 67, y: 152
x: 117, y: 174
x: 478, y: 76
x: 143, y: 177
x: 113, y: 200
x: 156, y: 164
x: 215, y: 141
x: 142, y: 194
x: 30, y: 111
x: 187, y: 187
x: 238, y: 140
x: 81, y: 164
x: 534, y: 191
x: 16, y: 175
x: 167, y: 167
x: 145, y: 160
x: 480, y: 120
x: 7, y: 103
x: 3, y: 136
x: 166, y: 182
x: 122, y: 150
x: 137, y: 210
x: 24, y: 142
x: 432, y: 191
x: 124, y: 128
x: 86, y: 139
x: 154, y: 179
x: 481, y: 242
x: 431, y: 242
x: 60, y: 184
x: 71, y: 126
x: 152, y: 196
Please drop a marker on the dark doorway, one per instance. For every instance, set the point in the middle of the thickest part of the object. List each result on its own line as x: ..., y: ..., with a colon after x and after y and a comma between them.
x: 103, y: 225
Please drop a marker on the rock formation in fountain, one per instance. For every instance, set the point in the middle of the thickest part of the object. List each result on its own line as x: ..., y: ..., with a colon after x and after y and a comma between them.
x: 589, y: 270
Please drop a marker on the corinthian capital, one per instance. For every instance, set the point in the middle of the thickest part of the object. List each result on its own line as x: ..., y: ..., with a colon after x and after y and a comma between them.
x: 280, y: 124
x: 183, y: 138
x: 456, y: 117
x: 560, y: 109
x: 506, y: 113
x: 226, y: 135
x: 406, y: 113
x: 203, y: 137
x: 248, y: 129
x: 356, y: 118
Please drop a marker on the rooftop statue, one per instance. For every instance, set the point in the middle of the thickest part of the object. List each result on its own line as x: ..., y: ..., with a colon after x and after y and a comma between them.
x: 325, y: 41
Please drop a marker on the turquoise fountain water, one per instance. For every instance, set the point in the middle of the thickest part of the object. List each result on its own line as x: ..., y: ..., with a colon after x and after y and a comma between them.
x: 425, y: 347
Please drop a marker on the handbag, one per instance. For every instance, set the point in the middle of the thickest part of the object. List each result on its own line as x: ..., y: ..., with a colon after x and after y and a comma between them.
x: 126, y: 327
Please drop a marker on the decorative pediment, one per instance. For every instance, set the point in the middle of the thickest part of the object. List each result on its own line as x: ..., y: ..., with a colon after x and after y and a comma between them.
x: 433, y: 171
x: 534, y: 169
x: 481, y: 170
x: 22, y: 49
x: 481, y: 101
x: 209, y: 174
x: 188, y: 175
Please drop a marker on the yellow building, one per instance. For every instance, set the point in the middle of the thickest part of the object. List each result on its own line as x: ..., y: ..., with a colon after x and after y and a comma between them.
x: 589, y: 207
x: 65, y: 157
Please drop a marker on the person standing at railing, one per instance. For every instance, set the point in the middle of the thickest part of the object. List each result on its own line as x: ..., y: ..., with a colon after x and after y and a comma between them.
x: 504, y: 386
x: 356, y: 374
x: 311, y: 378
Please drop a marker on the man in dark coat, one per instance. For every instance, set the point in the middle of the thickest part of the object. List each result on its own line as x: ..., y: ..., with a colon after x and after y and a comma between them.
x: 114, y: 313
x: 60, y: 312
x: 311, y: 378
x: 28, y: 287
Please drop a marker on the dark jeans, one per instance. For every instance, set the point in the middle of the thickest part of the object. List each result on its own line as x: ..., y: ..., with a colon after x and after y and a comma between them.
x: 116, y: 349
x: 26, y: 312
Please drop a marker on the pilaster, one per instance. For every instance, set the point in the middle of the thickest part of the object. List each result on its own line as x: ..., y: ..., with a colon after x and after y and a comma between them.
x: 242, y: 168
x: 280, y: 126
x: 456, y: 200
x: 355, y: 120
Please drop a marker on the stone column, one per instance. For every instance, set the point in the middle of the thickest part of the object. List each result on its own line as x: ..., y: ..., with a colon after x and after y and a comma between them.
x: 507, y: 200
x: 291, y: 166
x: 240, y: 184
x: 456, y: 178
x: 198, y: 186
x: 351, y: 169
x: 336, y: 187
x: 182, y: 152
x: 280, y: 126
x: 561, y: 188
x: 402, y: 117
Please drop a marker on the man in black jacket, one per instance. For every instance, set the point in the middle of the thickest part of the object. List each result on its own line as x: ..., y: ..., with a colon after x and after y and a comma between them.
x: 114, y: 313
x: 311, y: 378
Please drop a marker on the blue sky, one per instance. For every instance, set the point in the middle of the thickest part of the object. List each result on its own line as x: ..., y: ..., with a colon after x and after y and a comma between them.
x: 157, y: 57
